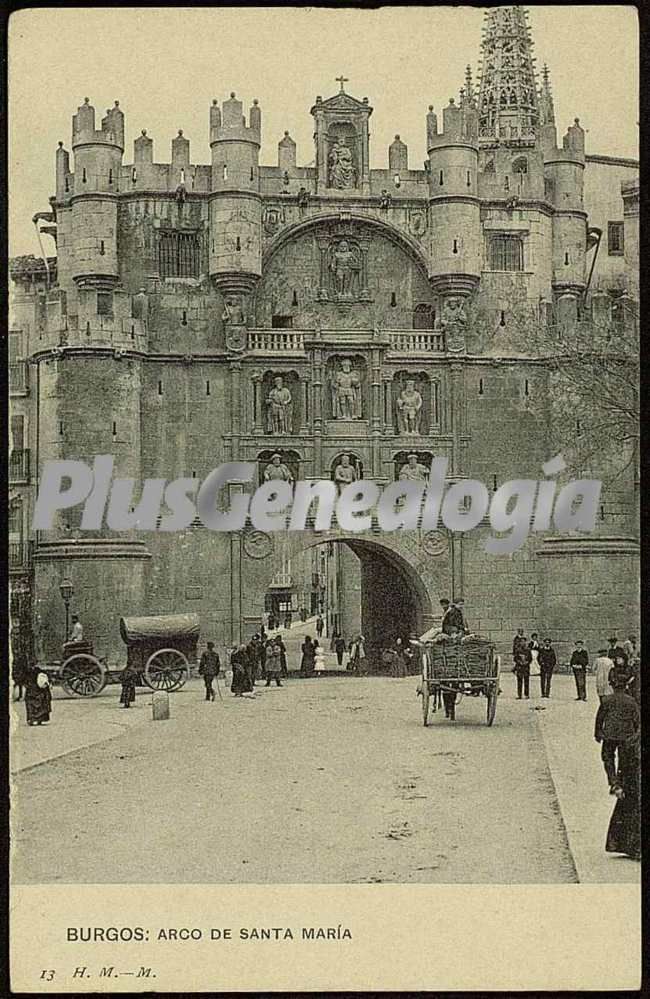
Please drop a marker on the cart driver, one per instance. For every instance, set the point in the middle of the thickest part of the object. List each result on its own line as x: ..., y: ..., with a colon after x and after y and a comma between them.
x: 77, y: 630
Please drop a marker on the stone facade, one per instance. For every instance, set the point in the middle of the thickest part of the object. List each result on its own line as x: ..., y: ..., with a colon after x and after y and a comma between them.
x: 181, y: 292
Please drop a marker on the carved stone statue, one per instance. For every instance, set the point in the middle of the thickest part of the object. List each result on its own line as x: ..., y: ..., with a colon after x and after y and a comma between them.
x: 414, y: 471
x: 233, y: 312
x: 276, y: 470
x: 385, y: 199
x: 409, y: 409
x: 346, y: 393
x: 280, y: 408
x: 341, y: 173
x: 453, y: 323
x: 344, y: 473
x: 345, y: 264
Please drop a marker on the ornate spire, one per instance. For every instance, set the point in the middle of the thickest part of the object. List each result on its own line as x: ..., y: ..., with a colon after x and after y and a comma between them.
x: 467, y: 93
x: 508, y: 108
x: 545, y: 100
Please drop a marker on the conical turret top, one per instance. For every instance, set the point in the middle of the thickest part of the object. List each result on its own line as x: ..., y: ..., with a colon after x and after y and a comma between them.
x: 508, y: 102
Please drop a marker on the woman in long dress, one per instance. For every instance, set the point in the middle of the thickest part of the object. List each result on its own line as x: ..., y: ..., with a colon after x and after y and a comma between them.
x: 128, y: 679
x: 307, y: 662
x: 38, y: 697
x: 240, y: 673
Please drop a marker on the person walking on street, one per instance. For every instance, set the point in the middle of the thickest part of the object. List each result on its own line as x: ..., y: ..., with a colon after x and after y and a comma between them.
x: 339, y: 648
x: 319, y: 626
x: 579, y: 663
x: 602, y: 668
x: 273, y: 663
x: 617, y: 728
x: 519, y: 643
x: 128, y: 680
x: 358, y: 655
x: 307, y: 662
x: 547, y: 663
x: 283, y: 656
x: 209, y: 667
x: 38, y: 696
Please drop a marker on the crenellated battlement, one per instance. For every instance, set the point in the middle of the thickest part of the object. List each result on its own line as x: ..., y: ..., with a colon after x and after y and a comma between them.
x: 229, y: 122
x: 111, y: 132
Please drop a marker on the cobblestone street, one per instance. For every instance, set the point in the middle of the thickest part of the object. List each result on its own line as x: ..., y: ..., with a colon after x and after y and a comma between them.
x: 322, y: 780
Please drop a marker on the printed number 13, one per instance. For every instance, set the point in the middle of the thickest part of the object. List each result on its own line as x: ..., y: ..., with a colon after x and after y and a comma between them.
x: 48, y: 976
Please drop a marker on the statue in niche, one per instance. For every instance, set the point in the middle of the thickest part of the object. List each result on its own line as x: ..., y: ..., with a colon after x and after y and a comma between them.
x: 345, y: 472
x: 277, y: 471
x: 453, y: 323
x: 346, y: 393
x: 342, y: 172
x: 345, y: 265
x: 413, y: 470
x: 409, y: 409
x: 233, y: 312
x: 280, y: 408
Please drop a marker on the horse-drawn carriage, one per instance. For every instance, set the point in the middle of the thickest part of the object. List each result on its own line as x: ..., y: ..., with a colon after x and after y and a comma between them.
x: 461, y: 666
x: 159, y: 648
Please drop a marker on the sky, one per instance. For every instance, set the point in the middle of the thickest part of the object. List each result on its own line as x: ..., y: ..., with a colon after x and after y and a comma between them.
x: 165, y: 66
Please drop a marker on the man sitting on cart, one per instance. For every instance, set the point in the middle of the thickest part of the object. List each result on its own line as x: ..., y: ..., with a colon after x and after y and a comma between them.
x: 453, y: 624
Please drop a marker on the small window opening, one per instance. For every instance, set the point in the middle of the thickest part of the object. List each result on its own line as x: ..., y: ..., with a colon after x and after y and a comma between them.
x: 134, y: 175
x: 252, y: 174
x: 102, y: 248
x: 502, y: 320
x: 294, y: 300
x: 132, y: 331
x: 67, y: 185
x: 114, y: 428
x: 469, y: 179
x: 225, y: 172
x: 207, y: 388
x: 566, y: 258
x: 184, y: 318
x: 160, y: 392
x: 495, y: 484
x: 602, y: 513
x: 506, y: 183
x: 455, y: 249
x: 442, y: 179
x: 60, y: 429
x: 110, y: 176
x: 526, y: 387
x: 87, y: 329
x: 480, y: 386
x: 83, y: 176
x: 238, y: 244
x: 393, y: 299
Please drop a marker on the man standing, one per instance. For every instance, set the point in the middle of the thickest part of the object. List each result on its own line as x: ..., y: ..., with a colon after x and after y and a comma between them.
x: 616, y: 649
x: 519, y: 643
x: 602, y: 666
x: 522, y: 669
x: 579, y: 663
x: 547, y: 661
x: 339, y: 648
x: 319, y: 626
x: 446, y: 609
x: 209, y: 667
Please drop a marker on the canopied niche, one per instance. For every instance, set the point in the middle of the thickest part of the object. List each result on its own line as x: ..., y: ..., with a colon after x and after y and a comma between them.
x: 341, y: 137
x: 281, y: 465
x: 415, y: 403
x: 412, y: 466
x: 346, y: 395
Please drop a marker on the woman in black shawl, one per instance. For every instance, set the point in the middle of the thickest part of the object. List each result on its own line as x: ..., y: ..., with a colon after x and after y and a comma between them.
x: 308, y: 660
x: 38, y: 696
x: 128, y: 679
x: 241, y: 683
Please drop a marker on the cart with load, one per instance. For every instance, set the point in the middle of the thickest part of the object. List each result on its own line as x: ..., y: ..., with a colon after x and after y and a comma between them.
x: 461, y: 665
x: 159, y: 648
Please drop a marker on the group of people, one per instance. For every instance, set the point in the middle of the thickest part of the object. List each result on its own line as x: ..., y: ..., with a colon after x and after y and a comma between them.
x: 530, y: 653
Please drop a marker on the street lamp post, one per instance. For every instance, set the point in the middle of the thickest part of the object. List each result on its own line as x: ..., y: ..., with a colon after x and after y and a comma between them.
x: 66, y: 590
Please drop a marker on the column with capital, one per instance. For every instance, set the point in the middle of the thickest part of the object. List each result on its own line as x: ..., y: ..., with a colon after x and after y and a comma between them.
x: 235, y: 407
x: 364, y: 244
x: 304, y: 401
x: 323, y: 280
x: 258, y: 403
x: 317, y: 408
x: 387, y: 400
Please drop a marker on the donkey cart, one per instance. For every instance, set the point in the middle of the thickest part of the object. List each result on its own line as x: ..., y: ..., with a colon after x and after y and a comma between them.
x: 462, y: 666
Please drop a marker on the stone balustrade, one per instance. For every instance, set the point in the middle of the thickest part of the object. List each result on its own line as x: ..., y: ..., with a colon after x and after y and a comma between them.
x: 276, y: 341
x: 417, y: 342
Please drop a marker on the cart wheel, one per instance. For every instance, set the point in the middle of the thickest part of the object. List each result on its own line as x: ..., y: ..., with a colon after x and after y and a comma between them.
x: 166, y: 669
x: 82, y: 675
x: 425, y: 703
x: 491, y: 703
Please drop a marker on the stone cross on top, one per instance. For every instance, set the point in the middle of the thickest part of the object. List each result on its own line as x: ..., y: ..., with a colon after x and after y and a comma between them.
x: 342, y: 80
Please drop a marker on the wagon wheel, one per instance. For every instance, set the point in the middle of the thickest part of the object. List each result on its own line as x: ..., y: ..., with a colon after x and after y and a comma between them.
x: 492, y: 701
x: 166, y: 669
x: 82, y: 675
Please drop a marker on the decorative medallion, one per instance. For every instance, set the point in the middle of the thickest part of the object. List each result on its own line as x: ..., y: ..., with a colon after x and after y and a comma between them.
x: 257, y: 544
x: 417, y: 223
x: 434, y: 543
x: 273, y: 219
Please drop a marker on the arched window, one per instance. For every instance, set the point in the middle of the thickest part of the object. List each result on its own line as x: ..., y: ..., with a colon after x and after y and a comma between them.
x: 520, y: 165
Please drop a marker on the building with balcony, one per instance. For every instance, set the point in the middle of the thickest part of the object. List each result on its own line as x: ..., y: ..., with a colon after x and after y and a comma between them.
x: 334, y: 315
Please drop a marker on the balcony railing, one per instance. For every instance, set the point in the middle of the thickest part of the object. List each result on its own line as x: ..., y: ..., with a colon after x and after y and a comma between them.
x: 282, y: 580
x: 417, y: 342
x: 18, y: 376
x: 276, y: 341
x: 19, y: 466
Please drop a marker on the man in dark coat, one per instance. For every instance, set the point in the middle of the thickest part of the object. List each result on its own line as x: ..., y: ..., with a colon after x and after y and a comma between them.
x: 547, y: 662
x: 339, y: 648
x: 209, y: 667
x: 38, y: 696
x: 523, y: 658
x: 579, y: 663
x: 618, y: 729
x: 241, y: 683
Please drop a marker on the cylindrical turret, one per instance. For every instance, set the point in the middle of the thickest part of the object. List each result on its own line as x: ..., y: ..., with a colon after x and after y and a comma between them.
x: 398, y: 156
x: 287, y: 153
x: 235, y: 203
x: 564, y: 169
x: 454, y: 216
x: 97, y: 165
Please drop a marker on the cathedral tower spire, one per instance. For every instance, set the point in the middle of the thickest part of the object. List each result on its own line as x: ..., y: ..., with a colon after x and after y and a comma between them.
x: 545, y: 100
x: 508, y: 100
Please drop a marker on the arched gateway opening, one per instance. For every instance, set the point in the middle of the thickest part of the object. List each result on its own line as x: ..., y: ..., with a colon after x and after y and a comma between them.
x: 358, y: 584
